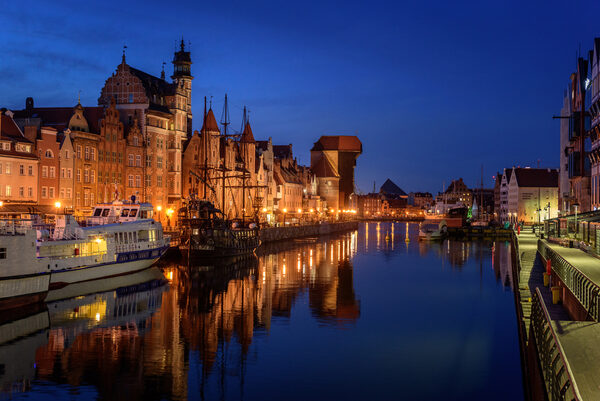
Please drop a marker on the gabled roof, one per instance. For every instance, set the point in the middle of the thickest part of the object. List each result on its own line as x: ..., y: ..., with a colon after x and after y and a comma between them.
x: 323, y: 168
x: 536, y: 177
x: 247, y: 134
x: 347, y: 143
x: 210, y: 122
x: 390, y: 188
x: 153, y: 85
x: 10, y: 130
x: 262, y: 145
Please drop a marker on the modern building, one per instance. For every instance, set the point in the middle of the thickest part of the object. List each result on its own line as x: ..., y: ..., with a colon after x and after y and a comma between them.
x: 594, y: 133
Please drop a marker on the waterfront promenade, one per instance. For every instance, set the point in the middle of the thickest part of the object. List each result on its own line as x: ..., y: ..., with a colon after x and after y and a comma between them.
x: 565, y: 335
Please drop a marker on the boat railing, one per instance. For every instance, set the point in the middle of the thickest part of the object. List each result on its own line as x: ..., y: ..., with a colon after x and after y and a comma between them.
x: 16, y: 226
x: 139, y: 246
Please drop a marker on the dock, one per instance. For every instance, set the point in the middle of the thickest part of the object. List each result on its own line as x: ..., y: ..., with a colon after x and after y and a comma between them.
x: 558, y: 341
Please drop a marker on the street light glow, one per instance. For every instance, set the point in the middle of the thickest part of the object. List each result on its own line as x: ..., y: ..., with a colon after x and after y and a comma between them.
x: 57, y: 204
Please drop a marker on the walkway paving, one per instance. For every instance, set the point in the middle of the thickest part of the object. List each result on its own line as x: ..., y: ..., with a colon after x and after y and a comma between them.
x: 578, y: 339
x: 532, y: 277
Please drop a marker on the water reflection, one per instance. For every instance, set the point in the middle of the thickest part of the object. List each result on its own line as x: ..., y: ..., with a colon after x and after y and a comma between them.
x: 178, y: 332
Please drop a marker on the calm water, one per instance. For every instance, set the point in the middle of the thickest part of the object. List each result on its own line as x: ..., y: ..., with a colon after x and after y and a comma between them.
x: 355, y: 316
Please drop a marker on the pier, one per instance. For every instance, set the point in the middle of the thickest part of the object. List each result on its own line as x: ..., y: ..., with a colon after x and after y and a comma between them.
x: 559, y: 336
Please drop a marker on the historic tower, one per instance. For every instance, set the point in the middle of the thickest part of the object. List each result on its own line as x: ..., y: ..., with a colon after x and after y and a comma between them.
x: 182, y: 78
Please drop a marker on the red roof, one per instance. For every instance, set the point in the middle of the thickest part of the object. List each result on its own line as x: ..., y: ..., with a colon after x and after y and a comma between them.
x: 347, y: 143
x: 58, y: 117
x: 247, y: 134
x: 210, y: 122
x: 10, y: 130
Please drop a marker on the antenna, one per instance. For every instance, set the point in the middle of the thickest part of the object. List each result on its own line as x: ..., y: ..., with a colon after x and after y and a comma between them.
x: 210, y: 106
x: 244, y: 117
x: 225, y: 116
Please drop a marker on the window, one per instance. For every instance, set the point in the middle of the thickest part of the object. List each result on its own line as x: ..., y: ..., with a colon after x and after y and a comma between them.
x: 49, y: 154
x: 62, y: 172
x: 69, y: 173
x: 78, y: 175
x: 100, y: 155
x: 91, y: 198
x: 2, y: 253
x: 159, y: 162
x: 148, y: 180
x: 52, y: 172
x: 69, y: 193
x: 29, y: 169
x: 93, y: 173
x: 148, y: 161
x: 136, y: 141
x: 86, y: 176
x: 66, y: 154
x: 130, y: 160
x: 114, y: 157
x: 120, y: 157
x: 78, y: 199
x: 138, y: 161
x: 86, y: 199
x: 44, y: 192
x: 51, y: 192
x: 62, y: 193
x: 8, y: 191
x: 21, y: 169
x: 138, y: 181
x: 21, y: 192
x: 130, y: 180
x: 44, y: 171
x: 93, y: 153
x: 131, y: 98
x: 30, y: 192
x: 5, y: 146
x: 87, y: 153
x: 79, y: 151
x: 159, y: 181
x: 0, y: 168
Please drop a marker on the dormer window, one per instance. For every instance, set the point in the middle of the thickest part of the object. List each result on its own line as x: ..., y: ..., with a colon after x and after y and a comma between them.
x: 49, y: 154
x: 5, y: 146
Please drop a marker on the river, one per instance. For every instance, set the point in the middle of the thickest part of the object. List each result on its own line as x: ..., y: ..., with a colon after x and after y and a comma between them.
x: 365, y: 315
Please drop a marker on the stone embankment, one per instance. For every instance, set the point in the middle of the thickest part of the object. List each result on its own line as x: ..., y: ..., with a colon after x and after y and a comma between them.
x: 271, y: 234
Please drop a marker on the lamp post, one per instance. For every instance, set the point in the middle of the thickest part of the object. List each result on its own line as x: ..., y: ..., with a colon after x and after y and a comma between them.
x: 169, y: 213
x: 284, y: 212
x: 57, y: 206
x: 158, y: 209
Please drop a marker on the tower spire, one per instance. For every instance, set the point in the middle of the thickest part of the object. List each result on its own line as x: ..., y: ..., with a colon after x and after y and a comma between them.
x: 162, y: 73
x: 123, y: 58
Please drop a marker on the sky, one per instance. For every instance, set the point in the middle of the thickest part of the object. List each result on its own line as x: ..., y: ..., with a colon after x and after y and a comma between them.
x: 433, y: 89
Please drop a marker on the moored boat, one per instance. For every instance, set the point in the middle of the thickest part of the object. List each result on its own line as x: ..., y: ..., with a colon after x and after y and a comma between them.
x: 207, y: 234
x: 433, y: 231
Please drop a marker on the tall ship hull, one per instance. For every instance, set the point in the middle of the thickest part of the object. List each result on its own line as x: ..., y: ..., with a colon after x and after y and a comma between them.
x: 205, y: 234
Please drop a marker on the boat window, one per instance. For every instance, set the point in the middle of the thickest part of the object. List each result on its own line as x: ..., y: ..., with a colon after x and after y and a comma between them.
x: 125, y: 213
x: 97, y: 212
x: 143, y: 214
x: 134, y: 236
x: 116, y: 237
x: 105, y: 212
x: 2, y: 253
x: 132, y: 212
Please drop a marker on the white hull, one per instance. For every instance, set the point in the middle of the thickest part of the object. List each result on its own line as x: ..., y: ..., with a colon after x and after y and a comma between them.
x: 16, y: 292
x: 61, y: 278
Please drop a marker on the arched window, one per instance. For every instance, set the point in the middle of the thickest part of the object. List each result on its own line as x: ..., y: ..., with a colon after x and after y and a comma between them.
x: 49, y: 154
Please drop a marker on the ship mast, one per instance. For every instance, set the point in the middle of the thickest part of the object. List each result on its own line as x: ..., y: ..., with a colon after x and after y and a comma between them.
x: 244, y: 173
x: 205, y: 151
x: 225, y: 123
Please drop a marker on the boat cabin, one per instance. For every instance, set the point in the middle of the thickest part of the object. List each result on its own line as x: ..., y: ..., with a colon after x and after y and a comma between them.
x: 120, y: 212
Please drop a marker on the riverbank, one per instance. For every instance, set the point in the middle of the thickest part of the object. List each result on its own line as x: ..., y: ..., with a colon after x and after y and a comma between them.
x: 272, y: 234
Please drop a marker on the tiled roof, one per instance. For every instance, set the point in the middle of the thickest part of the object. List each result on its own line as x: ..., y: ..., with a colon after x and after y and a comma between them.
x: 282, y: 151
x: 348, y: 143
x: 262, y: 145
x: 10, y: 130
x: 323, y: 168
x: 247, y: 134
x: 58, y: 117
x: 153, y: 85
x: 536, y: 177
x: 210, y: 122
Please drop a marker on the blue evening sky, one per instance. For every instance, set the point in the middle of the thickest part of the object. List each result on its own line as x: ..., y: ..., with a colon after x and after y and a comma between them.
x: 433, y: 89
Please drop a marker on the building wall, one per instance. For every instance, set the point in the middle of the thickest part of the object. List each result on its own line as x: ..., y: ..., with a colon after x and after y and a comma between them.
x: 14, y: 186
x: 85, y: 170
x: 111, y: 157
x: 48, y: 151
x: 67, y: 174
x: 530, y: 199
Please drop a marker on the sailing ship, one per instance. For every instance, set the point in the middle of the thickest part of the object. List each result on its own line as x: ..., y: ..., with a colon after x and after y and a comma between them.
x: 205, y: 230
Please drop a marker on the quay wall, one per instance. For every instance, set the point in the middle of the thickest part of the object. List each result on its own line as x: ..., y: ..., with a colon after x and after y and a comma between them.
x: 271, y: 234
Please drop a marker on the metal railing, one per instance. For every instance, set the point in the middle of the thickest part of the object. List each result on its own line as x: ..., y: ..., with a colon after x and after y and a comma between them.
x: 581, y: 286
x: 557, y: 374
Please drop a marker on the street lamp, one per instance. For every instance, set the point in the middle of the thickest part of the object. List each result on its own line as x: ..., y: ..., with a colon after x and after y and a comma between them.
x: 57, y: 206
x: 169, y: 213
x: 576, y: 206
x: 284, y: 212
x: 158, y: 209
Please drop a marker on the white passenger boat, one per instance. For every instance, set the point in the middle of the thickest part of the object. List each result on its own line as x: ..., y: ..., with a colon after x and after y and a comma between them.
x: 433, y: 231
x: 119, y: 238
x: 24, y: 279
